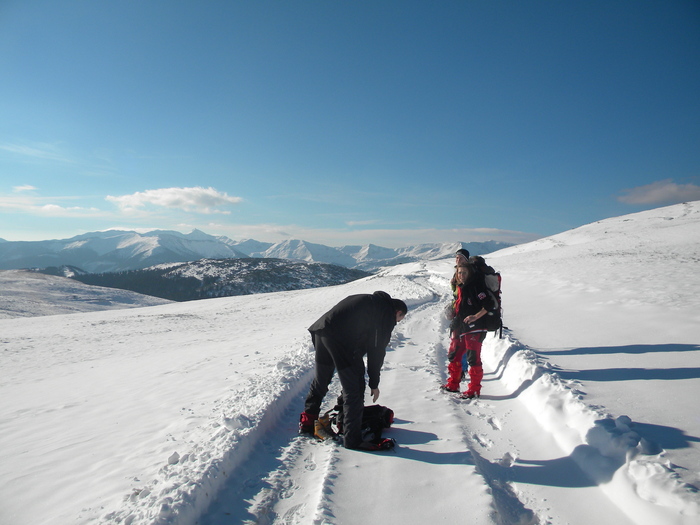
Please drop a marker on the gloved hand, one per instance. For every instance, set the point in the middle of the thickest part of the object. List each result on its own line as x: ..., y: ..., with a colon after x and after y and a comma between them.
x: 387, y: 444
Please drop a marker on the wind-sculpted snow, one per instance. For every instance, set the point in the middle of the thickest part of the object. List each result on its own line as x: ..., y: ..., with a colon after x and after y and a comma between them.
x: 627, y: 467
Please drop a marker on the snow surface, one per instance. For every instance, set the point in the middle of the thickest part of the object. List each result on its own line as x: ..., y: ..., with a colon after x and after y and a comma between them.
x: 24, y: 293
x: 187, y: 412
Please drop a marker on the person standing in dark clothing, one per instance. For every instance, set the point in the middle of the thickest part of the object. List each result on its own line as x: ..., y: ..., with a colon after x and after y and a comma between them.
x: 474, y: 310
x: 358, y: 325
x: 461, y: 259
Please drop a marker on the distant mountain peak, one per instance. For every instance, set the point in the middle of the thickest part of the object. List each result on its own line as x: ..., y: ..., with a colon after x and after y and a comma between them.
x: 199, y: 235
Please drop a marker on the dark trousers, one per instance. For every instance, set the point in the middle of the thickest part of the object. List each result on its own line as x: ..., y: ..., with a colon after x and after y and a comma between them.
x: 332, y: 355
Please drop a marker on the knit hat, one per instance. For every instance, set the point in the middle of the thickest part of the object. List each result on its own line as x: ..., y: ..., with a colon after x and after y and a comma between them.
x: 464, y: 253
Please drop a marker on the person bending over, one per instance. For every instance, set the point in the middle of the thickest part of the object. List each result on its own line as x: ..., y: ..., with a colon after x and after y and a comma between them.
x: 358, y: 325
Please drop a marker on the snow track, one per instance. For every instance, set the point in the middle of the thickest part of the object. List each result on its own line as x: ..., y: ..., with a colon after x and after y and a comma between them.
x: 185, y: 487
x: 529, y: 451
x: 503, y: 466
x: 514, y: 456
x: 280, y: 490
x: 283, y: 481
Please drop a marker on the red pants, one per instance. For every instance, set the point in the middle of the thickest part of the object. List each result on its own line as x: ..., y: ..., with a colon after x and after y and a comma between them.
x: 469, y: 343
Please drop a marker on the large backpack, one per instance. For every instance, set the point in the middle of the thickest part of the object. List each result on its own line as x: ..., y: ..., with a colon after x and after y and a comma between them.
x: 375, y: 419
x: 492, y: 279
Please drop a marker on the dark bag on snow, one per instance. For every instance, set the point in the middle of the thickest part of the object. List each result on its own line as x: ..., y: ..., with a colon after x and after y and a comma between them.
x: 375, y: 419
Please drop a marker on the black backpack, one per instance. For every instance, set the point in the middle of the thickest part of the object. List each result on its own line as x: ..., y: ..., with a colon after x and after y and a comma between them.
x: 492, y: 279
x: 375, y: 419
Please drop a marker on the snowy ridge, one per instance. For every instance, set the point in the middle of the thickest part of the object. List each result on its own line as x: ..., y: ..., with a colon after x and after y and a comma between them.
x: 184, y: 488
x: 116, y: 250
x: 629, y: 469
x: 207, y: 278
x: 309, y: 252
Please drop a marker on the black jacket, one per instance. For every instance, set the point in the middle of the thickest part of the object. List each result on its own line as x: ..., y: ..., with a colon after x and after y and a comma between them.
x: 472, y: 297
x: 362, y: 324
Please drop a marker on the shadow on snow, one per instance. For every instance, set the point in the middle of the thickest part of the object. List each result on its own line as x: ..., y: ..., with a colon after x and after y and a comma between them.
x: 629, y: 349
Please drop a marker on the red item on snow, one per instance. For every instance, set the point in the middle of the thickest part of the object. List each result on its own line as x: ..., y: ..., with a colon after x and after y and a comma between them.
x: 307, y: 422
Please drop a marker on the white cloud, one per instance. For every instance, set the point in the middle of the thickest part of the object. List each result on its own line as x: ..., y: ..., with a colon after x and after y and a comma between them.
x: 54, y: 210
x: 37, y: 151
x: 389, y: 238
x: 33, y: 206
x: 196, y: 199
x: 661, y: 192
x: 25, y: 187
x: 361, y: 223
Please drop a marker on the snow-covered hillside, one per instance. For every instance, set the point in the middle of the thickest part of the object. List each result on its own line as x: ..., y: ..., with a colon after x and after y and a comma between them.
x: 206, y: 278
x: 28, y: 294
x: 187, y: 413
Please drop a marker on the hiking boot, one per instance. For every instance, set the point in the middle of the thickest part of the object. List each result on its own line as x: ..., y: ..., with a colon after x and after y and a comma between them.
x: 476, y: 374
x: 446, y: 388
x: 323, y: 430
x: 306, y: 423
x: 470, y: 395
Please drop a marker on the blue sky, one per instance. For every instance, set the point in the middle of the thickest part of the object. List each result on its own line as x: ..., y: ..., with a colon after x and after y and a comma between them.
x: 385, y: 122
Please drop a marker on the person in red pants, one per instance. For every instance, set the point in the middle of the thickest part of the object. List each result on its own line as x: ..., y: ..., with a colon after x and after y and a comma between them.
x: 461, y: 259
x: 472, y: 309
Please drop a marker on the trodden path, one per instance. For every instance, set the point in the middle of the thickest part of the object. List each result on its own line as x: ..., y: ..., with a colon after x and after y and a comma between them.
x: 485, y: 460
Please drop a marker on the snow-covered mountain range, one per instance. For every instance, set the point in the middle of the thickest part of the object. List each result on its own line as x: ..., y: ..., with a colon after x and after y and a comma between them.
x: 116, y: 250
